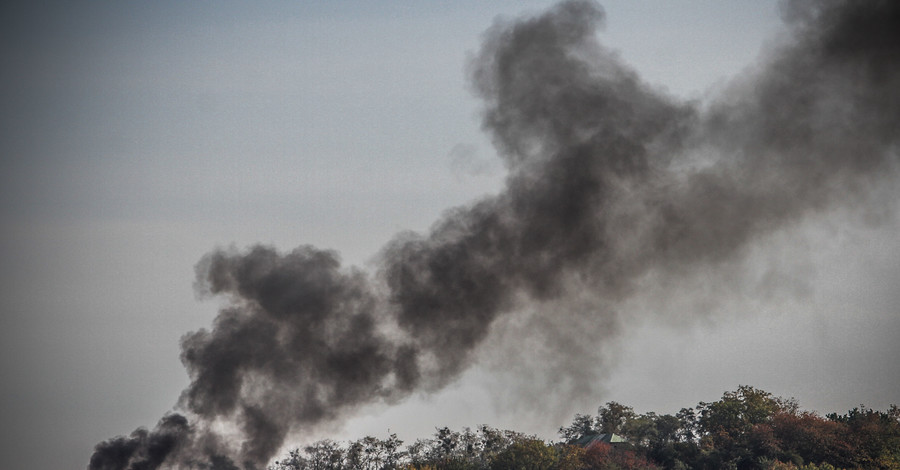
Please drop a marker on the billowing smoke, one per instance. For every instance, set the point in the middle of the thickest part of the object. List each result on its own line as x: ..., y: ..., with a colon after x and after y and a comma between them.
x: 609, y: 181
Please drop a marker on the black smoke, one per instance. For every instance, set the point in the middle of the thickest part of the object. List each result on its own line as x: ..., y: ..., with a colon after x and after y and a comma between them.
x: 609, y: 181
x: 143, y: 449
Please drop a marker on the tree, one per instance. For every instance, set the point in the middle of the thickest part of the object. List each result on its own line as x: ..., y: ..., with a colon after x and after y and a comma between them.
x: 602, y: 456
x: 417, y: 453
x: 392, y: 452
x: 293, y: 462
x: 668, y: 429
x: 356, y: 456
x: 324, y: 455
x: 640, y: 430
x: 528, y: 454
x: 582, y: 425
x: 569, y: 457
x: 492, y: 442
x: 666, y: 445
x: 448, y: 441
x: 736, y: 429
x: 807, y: 437
x: 747, y: 429
x: 875, y: 436
x: 613, y: 416
x: 688, y: 424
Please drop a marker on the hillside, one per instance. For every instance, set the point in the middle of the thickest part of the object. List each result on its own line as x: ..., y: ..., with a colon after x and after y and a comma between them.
x: 746, y: 429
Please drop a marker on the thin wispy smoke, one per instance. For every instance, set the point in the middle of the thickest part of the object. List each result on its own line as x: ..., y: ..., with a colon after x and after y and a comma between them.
x: 608, y: 181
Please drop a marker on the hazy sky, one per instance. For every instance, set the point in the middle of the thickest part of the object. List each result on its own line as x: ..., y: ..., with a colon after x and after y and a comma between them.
x: 136, y: 138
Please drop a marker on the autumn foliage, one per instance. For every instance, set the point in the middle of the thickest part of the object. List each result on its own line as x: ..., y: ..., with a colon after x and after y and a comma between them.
x: 746, y: 429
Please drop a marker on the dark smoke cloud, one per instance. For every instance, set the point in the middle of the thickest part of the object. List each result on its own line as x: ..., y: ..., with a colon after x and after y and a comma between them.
x: 609, y: 181
x: 143, y: 449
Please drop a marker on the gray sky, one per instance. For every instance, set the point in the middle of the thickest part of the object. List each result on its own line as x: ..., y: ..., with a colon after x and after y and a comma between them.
x: 135, y: 139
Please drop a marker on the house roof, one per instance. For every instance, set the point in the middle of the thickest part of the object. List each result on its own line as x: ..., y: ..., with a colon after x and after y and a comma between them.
x: 589, y: 439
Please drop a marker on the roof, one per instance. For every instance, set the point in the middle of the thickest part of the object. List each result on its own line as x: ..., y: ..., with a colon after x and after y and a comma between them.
x: 590, y: 439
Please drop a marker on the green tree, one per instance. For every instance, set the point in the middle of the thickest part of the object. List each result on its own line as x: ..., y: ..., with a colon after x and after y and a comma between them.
x: 613, y: 416
x: 747, y: 429
x: 736, y: 430
x: 687, y: 419
x: 640, y: 430
x: 528, y: 454
x: 582, y: 425
x: 569, y: 457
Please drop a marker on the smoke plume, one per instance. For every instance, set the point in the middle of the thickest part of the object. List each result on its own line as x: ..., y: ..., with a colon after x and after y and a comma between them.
x: 609, y: 181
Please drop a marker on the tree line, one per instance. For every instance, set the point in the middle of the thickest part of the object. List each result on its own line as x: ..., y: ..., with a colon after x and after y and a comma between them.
x: 746, y: 429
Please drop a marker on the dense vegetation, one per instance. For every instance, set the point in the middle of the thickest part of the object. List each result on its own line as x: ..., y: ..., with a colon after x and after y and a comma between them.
x: 746, y: 429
